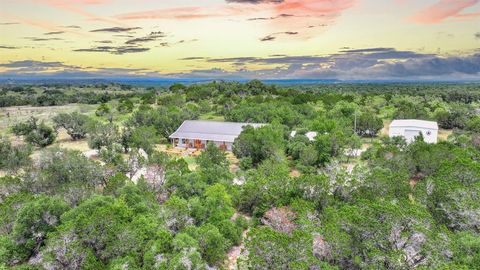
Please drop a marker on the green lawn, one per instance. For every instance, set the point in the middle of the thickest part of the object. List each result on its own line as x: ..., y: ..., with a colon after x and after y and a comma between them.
x: 191, y: 161
x: 211, y: 116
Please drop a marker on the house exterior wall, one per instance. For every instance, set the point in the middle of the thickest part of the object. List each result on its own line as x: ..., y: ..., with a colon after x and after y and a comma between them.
x: 228, y: 145
x: 185, y: 143
x: 429, y: 135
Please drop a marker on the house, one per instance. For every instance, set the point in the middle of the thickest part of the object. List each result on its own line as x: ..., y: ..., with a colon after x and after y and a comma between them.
x: 411, y: 128
x: 196, y: 134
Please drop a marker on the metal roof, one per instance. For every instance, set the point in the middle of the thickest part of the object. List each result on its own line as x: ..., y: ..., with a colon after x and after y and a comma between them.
x: 414, y: 123
x: 211, y: 130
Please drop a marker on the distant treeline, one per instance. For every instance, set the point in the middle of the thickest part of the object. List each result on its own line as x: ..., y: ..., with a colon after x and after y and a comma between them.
x: 54, y: 95
x: 58, y: 94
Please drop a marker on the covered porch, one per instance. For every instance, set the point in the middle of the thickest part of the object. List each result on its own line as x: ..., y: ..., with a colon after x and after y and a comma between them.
x: 199, y: 144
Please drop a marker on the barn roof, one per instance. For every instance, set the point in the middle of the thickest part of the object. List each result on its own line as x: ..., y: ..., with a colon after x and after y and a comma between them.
x: 414, y: 123
x: 210, y: 130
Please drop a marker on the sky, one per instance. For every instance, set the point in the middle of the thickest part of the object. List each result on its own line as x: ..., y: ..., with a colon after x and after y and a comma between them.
x: 241, y: 39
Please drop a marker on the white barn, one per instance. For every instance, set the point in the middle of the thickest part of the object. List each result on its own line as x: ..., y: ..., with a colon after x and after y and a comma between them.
x: 410, y: 128
x: 197, y: 134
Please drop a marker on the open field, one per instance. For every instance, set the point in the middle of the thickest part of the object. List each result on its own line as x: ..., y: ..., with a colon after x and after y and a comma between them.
x: 10, y: 116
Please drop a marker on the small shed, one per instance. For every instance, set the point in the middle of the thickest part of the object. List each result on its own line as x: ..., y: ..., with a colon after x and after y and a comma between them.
x: 411, y: 128
x: 197, y: 134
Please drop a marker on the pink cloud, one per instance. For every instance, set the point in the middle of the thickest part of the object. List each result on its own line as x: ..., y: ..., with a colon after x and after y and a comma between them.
x: 171, y: 13
x: 307, y: 18
x: 299, y: 8
x: 442, y: 10
x: 314, y: 7
x: 91, y: 2
x: 186, y: 13
x: 74, y: 6
x: 468, y: 15
x: 44, y: 24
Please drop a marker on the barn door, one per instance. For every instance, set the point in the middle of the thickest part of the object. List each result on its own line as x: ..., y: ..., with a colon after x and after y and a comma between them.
x: 410, y: 134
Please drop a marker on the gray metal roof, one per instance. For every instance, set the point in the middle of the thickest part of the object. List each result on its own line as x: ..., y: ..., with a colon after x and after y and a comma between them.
x: 210, y: 130
x: 414, y: 123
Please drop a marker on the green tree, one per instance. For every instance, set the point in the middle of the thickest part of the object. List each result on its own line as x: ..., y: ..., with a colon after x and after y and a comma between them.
x: 259, y: 143
x: 166, y: 119
x: 76, y: 124
x: 368, y: 124
x: 213, y: 165
x: 455, y: 117
x: 144, y: 138
x: 218, y: 204
x: 103, y: 110
x: 34, y: 221
x: 333, y: 136
x: 451, y: 193
x: 158, y: 250
x: 176, y: 213
x: 269, y: 249
x: 177, y: 88
x: 466, y: 249
x: 125, y: 106
x: 383, y: 234
x: 103, y: 135
x: 67, y: 173
x: 104, y: 226
x: 272, y: 177
x: 42, y: 136
x: 212, y: 156
x: 474, y: 124
x: 12, y: 158
x: 38, y: 134
x: 187, y: 259
x: 212, y: 244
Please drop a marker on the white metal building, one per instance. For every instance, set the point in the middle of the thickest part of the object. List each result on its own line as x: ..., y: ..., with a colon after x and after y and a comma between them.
x: 411, y: 128
x: 196, y: 134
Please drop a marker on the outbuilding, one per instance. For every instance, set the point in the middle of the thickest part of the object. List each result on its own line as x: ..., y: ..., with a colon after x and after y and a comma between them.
x: 197, y: 134
x: 411, y: 128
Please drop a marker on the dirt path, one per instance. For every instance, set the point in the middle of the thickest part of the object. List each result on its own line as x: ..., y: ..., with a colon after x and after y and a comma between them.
x: 236, y: 251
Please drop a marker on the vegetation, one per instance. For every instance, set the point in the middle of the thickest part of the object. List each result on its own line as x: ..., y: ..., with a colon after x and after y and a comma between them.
x: 75, y: 124
x: 39, y: 135
x: 347, y: 198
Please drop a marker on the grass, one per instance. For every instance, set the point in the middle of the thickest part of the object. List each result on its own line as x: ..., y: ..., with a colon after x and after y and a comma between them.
x: 10, y: 116
x: 191, y: 161
x: 212, y: 116
x: 65, y: 141
x: 386, y: 128
x: 443, y: 134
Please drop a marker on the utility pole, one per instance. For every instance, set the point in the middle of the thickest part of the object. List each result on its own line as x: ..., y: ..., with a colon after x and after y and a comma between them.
x: 355, y: 125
